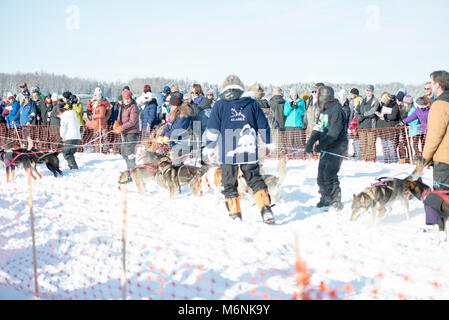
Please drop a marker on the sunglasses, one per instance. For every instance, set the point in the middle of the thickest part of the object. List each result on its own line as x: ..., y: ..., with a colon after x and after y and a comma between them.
x: 313, y: 91
x: 427, y: 89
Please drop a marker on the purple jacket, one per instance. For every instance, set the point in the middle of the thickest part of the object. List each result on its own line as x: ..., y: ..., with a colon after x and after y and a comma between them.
x: 421, y: 115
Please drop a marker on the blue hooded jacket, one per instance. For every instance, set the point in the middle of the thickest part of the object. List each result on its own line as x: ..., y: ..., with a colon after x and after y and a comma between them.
x: 149, y: 115
x: 26, y: 114
x: 235, y: 125
x: 12, y: 113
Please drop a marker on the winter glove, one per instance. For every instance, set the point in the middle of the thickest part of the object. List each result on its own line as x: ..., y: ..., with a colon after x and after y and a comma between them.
x: 118, y: 129
x: 400, y: 124
x: 294, y: 105
x: 318, y: 148
x: 314, y: 137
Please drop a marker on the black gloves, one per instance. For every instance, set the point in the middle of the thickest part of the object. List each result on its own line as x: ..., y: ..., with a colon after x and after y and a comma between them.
x: 314, y: 137
x: 294, y: 105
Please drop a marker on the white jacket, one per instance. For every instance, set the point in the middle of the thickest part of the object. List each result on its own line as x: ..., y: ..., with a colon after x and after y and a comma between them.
x: 70, y: 127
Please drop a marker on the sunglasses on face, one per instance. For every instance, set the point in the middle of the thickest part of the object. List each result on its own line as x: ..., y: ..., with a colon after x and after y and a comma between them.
x: 313, y: 91
x: 427, y: 89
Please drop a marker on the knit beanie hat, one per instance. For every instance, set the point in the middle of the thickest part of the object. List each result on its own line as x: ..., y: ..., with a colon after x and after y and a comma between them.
x: 126, y: 94
x: 293, y: 91
x: 67, y: 95
x: 98, y: 93
x: 166, y: 90
x: 355, y: 91
x: 421, y: 102
x: 232, y: 82
x: 408, y: 99
x: 400, y: 96
x: 176, y: 100
x: 147, y: 88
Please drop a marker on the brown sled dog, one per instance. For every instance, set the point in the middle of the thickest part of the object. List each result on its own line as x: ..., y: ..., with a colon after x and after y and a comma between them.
x: 140, y: 175
x: 379, y: 197
x: 174, y: 177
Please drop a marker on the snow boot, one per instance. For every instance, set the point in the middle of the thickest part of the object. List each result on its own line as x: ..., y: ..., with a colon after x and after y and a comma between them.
x: 323, y: 203
x: 263, y: 202
x: 233, y: 206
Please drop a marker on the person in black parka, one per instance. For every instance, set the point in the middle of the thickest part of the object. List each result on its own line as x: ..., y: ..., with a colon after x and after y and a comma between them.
x: 331, y: 132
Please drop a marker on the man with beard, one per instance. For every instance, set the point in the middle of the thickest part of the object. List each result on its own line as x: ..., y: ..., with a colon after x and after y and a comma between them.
x: 331, y: 132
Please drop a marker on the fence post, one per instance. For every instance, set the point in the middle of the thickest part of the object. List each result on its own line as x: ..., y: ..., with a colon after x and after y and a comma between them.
x: 409, y: 145
x: 101, y: 136
x: 30, y: 204
x: 123, y: 280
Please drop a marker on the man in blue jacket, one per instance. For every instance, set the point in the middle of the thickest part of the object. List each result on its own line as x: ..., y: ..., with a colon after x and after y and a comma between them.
x: 232, y: 131
x: 27, y: 113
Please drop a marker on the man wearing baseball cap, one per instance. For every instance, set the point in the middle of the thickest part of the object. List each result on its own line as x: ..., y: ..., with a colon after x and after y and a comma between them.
x: 23, y: 89
x: 127, y: 125
x: 366, y: 124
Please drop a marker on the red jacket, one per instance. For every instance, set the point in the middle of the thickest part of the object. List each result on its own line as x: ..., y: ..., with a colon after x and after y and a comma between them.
x: 353, y: 125
x: 98, y: 121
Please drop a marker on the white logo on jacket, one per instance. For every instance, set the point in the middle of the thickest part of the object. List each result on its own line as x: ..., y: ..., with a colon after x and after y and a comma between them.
x: 247, y: 141
x: 237, y: 115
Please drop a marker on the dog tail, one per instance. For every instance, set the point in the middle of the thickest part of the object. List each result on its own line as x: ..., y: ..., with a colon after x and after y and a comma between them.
x: 30, y: 143
x: 282, y: 169
x: 418, y: 172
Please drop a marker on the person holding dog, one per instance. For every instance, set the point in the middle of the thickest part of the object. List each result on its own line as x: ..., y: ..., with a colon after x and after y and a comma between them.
x: 232, y: 130
x: 331, y: 132
x: 436, y: 148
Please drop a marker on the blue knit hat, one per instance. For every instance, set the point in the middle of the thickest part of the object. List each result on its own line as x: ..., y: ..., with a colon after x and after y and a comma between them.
x: 166, y: 90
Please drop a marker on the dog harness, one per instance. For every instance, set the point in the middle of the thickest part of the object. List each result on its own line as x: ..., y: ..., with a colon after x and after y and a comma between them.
x: 149, y: 166
x: 442, y: 193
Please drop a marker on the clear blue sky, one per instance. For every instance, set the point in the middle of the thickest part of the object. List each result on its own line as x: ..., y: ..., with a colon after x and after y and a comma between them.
x: 275, y: 42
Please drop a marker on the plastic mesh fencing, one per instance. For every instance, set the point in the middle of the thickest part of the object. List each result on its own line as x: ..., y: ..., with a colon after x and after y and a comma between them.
x: 387, y: 145
x: 75, y: 262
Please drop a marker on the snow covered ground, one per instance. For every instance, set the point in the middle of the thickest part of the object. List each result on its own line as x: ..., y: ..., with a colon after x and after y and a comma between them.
x: 187, y: 247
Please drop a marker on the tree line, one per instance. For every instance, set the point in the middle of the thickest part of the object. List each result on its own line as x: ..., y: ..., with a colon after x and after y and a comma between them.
x: 50, y: 83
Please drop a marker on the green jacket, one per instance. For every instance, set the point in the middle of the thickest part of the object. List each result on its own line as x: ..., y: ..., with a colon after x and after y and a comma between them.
x: 78, y: 108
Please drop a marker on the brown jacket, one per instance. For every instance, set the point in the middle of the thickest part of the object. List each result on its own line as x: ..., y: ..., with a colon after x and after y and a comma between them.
x: 128, y: 117
x: 437, y: 141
